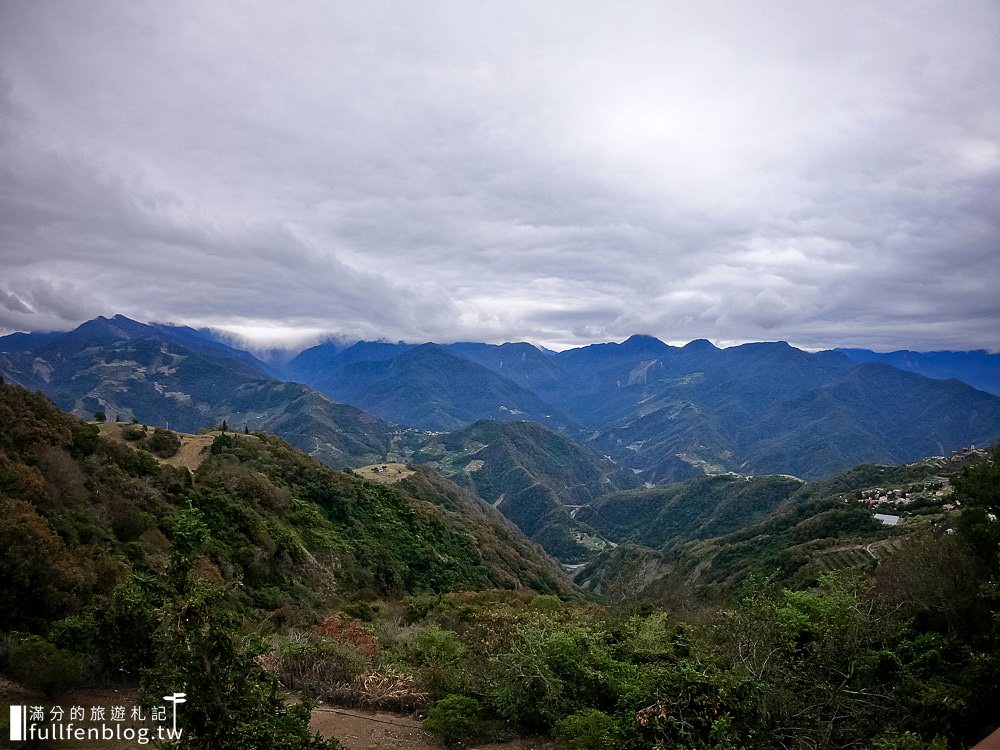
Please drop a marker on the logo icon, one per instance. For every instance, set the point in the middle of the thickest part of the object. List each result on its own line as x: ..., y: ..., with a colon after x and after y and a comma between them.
x: 18, y: 720
x: 175, y: 699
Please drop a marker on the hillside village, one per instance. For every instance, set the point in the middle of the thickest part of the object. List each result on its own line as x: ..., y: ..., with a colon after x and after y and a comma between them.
x: 929, y: 498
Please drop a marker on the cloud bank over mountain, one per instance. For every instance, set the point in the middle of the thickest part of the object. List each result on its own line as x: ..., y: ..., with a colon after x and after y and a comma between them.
x: 563, y: 173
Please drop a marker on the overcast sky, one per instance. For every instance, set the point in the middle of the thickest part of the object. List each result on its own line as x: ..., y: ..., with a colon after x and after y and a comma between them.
x: 563, y: 173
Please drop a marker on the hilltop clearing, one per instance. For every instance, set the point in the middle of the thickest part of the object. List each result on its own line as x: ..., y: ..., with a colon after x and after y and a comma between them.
x: 191, y: 452
x: 388, y: 473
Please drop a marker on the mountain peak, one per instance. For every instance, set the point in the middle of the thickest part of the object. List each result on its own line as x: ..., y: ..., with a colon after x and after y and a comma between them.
x: 117, y: 327
x: 700, y: 345
x: 642, y: 339
x: 645, y: 344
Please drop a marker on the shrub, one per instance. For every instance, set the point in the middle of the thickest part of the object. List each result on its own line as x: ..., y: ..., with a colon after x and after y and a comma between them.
x: 546, y: 603
x: 73, y: 633
x: 163, y: 443
x: 441, y: 655
x: 40, y: 665
x: 221, y: 443
x: 134, y: 431
x: 321, y: 664
x: 456, y: 718
x: 588, y: 729
x: 354, y: 634
x: 360, y: 610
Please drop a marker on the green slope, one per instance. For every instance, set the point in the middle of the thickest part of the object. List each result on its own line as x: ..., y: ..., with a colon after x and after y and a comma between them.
x: 83, y: 514
x: 131, y: 370
x: 715, y: 531
x: 699, y: 508
x: 535, y: 477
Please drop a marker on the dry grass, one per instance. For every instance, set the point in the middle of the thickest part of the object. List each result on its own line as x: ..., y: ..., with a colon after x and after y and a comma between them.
x: 192, y: 453
x: 387, y: 473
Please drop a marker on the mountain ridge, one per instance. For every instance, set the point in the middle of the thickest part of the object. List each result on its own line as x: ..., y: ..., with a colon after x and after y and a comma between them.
x: 663, y: 411
x: 131, y: 370
x: 533, y: 476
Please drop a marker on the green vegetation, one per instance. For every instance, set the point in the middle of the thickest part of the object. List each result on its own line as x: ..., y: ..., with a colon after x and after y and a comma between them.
x: 162, y: 443
x: 697, y: 509
x: 154, y: 375
x: 196, y: 644
x: 711, y: 532
x: 265, y: 570
x: 531, y: 474
x: 834, y: 666
x: 34, y: 662
x: 115, y: 564
x: 456, y: 719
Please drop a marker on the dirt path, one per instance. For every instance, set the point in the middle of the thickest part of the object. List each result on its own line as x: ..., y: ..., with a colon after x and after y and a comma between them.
x: 359, y: 730
x: 362, y: 730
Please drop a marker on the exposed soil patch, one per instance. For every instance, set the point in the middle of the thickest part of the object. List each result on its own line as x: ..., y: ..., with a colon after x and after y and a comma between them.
x: 193, y: 451
x: 387, y: 473
x: 362, y: 730
x: 359, y: 730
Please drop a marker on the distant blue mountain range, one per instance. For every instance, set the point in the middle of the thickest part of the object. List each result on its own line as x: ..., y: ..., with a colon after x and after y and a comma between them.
x: 663, y: 412
x: 978, y: 368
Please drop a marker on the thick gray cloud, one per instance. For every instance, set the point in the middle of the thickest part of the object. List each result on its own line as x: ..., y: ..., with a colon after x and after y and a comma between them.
x: 557, y: 172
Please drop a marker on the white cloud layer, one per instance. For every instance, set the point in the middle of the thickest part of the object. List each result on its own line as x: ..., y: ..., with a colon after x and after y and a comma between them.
x: 828, y: 174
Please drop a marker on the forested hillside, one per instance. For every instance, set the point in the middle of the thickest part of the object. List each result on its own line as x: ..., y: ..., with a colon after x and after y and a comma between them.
x: 535, y: 477
x: 672, y: 412
x: 711, y: 533
x: 174, y: 377
x: 265, y: 568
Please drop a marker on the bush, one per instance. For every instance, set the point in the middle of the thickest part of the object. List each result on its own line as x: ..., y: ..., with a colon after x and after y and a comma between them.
x: 588, y: 729
x: 134, y: 432
x: 546, y: 603
x: 434, y: 655
x: 360, y: 610
x: 455, y: 719
x: 40, y: 665
x: 221, y: 443
x: 163, y: 443
x: 321, y: 664
x: 549, y: 671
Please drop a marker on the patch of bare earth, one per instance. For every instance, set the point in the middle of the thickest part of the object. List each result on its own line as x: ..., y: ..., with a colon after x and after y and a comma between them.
x: 192, y: 453
x: 378, y: 730
x: 388, y: 473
